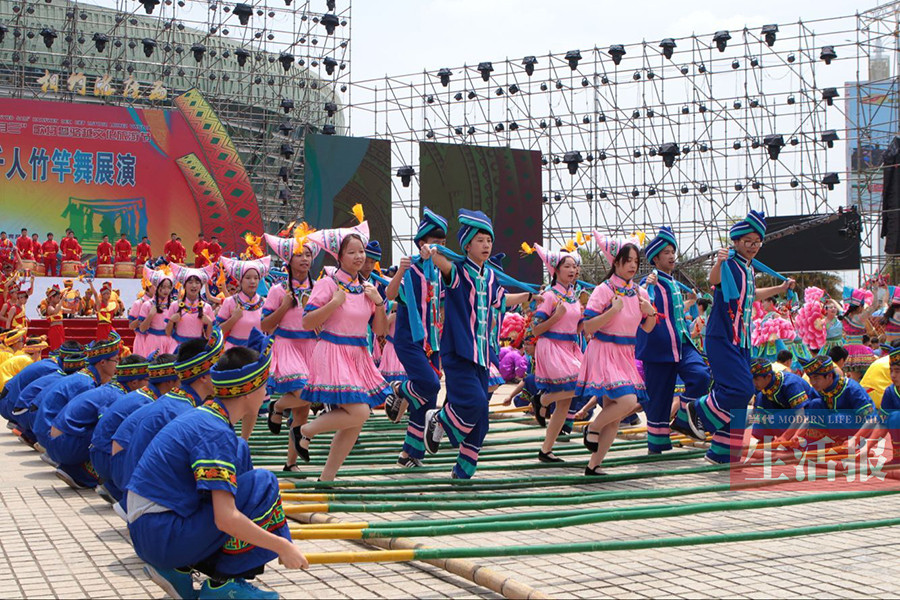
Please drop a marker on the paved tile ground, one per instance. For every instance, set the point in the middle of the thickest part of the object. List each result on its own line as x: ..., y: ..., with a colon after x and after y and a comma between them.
x: 55, y: 542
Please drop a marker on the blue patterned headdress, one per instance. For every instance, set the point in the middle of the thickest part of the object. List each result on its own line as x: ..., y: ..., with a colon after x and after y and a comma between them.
x: 431, y: 224
x: 820, y: 364
x: 760, y: 367
x: 373, y: 250
x: 665, y: 237
x: 754, y: 223
x: 472, y: 222
x: 200, y: 364
x: 103, y: 349
x: 235, y: 383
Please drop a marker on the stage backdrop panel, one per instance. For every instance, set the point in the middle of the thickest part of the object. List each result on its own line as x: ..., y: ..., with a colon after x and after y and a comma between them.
x: 343, y: 171
x: 502, y: 182
x: 107, y: 169
x: 833, y: 246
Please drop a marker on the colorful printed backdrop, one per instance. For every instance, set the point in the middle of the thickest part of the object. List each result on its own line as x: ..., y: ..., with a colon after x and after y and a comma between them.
x: 107, y: 169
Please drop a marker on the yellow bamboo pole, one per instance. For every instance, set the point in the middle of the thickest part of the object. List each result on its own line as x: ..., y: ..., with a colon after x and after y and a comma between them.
x: 326, y: 534
x: 323, y: 558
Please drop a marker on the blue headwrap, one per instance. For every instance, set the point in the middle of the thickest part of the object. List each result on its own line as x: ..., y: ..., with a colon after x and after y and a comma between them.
x: 103, y: 349
x: 373, y: 250
x: 470, y: 223
x: 754, y: 223
x: 235, y: 383
x: 665, y: 237
x: 431, y: 221
x: 820, y: 364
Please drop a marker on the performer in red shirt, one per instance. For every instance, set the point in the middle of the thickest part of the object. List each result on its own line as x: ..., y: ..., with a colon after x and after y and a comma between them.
x: 7, y: 250
x: 199, y: 246
x: 123, y: 249
x: 23, y: 245
x: 104, y: 252
x: 70, y: 247
x: 170, y: 250
x: 180, y: 252
x: 214, y: 250
x: 48, y: 254
x: 143, y: 251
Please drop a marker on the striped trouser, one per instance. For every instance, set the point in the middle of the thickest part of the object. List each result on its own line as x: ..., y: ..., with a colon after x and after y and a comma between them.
x: 465, y: 413
x: 420, y: 391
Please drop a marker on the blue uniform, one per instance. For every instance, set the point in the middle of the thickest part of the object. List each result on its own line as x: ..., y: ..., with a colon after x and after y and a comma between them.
x: 728, y: 352
x: 77, y: 421
x: 465, y: 354
x: 785, y: 392
x: 145, y: 423
x: 57, y: 396
x: 170, y: 511
x: 417, y: 344
x: 890, y: 412
x: 839, y: 410
x: 668, y: 354
x: 20, y: 381
x: 110, y: 419
x: 25, y: 405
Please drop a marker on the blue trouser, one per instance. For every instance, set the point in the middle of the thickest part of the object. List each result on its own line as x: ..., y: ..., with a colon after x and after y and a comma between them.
x: 170, y: 541
x: 73, y: 456
x: 117, y: 470
x: 25, y: 420
x: 731, y: 390
x: 661, y: 379
x: 6, y: 406
x: 102, y: 462
x: 420, y: 391
x: 465, y: 415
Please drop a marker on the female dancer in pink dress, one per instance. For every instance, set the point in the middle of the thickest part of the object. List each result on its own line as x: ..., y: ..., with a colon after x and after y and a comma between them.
x: 615, y: 310
x: 153, y: 313
x: 343, y: 375
x: 134, y: 318
x: 390, y: 366
x: 294, y: 344
x: 557, y: 354
x: 190, y: 317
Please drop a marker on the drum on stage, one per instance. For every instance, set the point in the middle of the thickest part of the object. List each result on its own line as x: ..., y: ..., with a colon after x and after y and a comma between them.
x: 70, y: 268
x: 39, y: 270
x: 27, y: 264
x: 124, y: 270
x: 105, y: 271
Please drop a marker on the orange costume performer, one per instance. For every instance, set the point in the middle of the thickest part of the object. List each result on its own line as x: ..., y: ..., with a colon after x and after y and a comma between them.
x: 48, y: 253
x: 123, y: 250
x: 144, y: 253
x: 104, y: 255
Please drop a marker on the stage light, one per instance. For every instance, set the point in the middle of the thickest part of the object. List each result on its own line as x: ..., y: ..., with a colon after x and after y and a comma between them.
x: 513, y: 89
x: 791, y: 100
x: 330, y: 64
x: 738, y: 186
x: 429, y: 134
x: 686, y: 149
x: 635, y: 192
x: 286, y: 59
x: 768, y: 32
x: 283, y: 174
x: 651, y: 191
x: 149, y: 46
x: 543, y: 124
x: 485, y: 68
x: 703, y: 188
x: 471, y: 95
x: 198, y: 50
x: 330, y: 108
x: 286, y: 151
x: 49, y: 34
x: 242, y: 56
x: 737, y: 104
x: 735, y: 64
x: 405, y: 173
x: 602, y: 155
x: 684, y: 70
x: 616, y: 51
x: 701, y: 68
x: 559, y: 85
x: 702, y: 108
x: 100, y: 40
x: 286, y: 128
x: 828, y: 54
x: 736, y: 145
x: 243, y: 12
x: 285, y: 196
x: 604, y: 80
x: 791, y: 58
x: 330, y: 4
x: 513, y: 126
x: 529, y: 62
x: 794, y: 141
x: 685, y: 110
x: 589, y: 158
x: 458, y: 96
x: 573, y: 56
x: 754, y: 143
x: 444, y: 74
x: 544, y: 161
x: 585, y: 119
x: 603, y: 194
x: 287, y: 105
x: 572, y: 160
x: 754, y: 62
x: 721, y: 39
x: 329, y: 129
x: 498, y: 91
x: 330, y: 22
x: 794, y: 183
x: 544, y: 87
x: 149, y: 5
x: 458, y: 131
x: 754, y: 103
x: 668, y: 45
x: 830, y: 180
x: 499, y: 127
x: 589, y: 196
x: 774, y: 143
x: 830, y: 137
x: 635, y: 114
x: 429, y: 99
x: 3, y: 30
x: 637, y: 153
x: 636, y: 76
x: 755, y: 185
x: 559, y: 122
x: 668, y: 151
x: 601, y: 118
x: 829, y: 94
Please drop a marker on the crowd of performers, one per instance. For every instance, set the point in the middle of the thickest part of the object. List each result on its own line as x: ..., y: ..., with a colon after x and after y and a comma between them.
x: 151, y: 428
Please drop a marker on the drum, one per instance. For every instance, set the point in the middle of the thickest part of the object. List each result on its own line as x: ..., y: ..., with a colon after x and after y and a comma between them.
x: 39, y: 270
x: 70, y: 268
x: 27, y: 264
x: 105, y: 271
x: 124, y: 270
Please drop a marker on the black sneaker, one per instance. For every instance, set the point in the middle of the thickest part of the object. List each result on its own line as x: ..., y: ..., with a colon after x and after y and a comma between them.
x: 395, y: 406
x: 690, y: 425
x: 434, y: 431
x: 409, y: 462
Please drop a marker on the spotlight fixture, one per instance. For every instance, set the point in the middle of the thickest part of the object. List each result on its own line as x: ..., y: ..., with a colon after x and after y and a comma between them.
x: 471, y: 95
x: 485, y: 68
x: 685, y: 110
x: 559, y: 85
x: 243, y: 12
x: 499, y: 91
x: 738, y: 186
x: 736, y: 145
x: 602, y: 155
x: 100, y: 40
x: 458, y: 130
x: 330, y: 64
x: 701, y: 68
x: 737, y: 104
x: 330, y: 108
x: 684, y: 189
x: 529, y: 62
x: 286, y: 59
x: 768, y: 32
x: 830, y: 180
x: 330, y: 4
x: 703, y: 188
x: 829, y: 137
x: 242, y: 56
x: 3, y: 30
x: 572, y: 160
x: 444, y: 75
x: 791, y: 58
x: 755, y: 185
x: 429, y: 134
x: 754, y: 103
x: 458, y: 96
x: 513, y: 126
x: 329, y: 129
x: 603, y: 195
x: 754, y: 143
x: 684, y: 70
x: 198, y: 50
x: 721, y: 39
x: 754, y: 61
x: 601, y: 118
x: 286, y: 151
x: 668, y: 45
x: 668, y: 151
x: 794, y: 183
x: 616, y: 51
x: 604, y: 80
x: 49, y: 34
x: 285, y: 128
x: 149, y: 5
x: 559, y: 122
x: 429, y: 99
x: 829, y: 94
x: 330, y: 22
x: 828, y: 54
x: 283, y: 174
x: 405, y: 173
x: 573, y: 56
x: 285, y: 196
x: 791, y: 100
x: 287, y: 105
x: 513, y: 89
x: 544, y: 87
x: 774, y: 143
x: 499, y: 127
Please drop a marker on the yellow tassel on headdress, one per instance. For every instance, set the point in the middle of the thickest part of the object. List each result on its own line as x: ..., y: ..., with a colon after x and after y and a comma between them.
x: 253, y: 246
x: 357, y: 212
x: 641, y: 236
x: 220, y: 280
x: 580, y: 239
x: 286, y: 232
x: 301, y: 232
x: 570, y: 246
x: 526, y: 249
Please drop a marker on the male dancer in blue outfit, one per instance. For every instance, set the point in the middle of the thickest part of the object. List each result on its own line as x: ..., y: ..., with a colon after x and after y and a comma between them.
x: 667, y: 352
x: 777, y: 392
x: 195, y: 502
x: 472, y: 290
x: 418, y: 289
x: 728, y: 342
